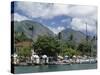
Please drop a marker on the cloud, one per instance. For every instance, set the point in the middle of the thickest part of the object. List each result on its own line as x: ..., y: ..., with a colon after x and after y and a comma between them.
x: 80, y: 14
x: 18, y: 17
x: 79, y: 24
x: 56, y: 30
x: 50, y: 10
x: 83, y: 11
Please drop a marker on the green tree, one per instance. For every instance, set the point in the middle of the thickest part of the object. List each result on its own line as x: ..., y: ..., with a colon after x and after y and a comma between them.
x: 94, y: 46
x: 71, y: 37
x: 69, y: 51
x: 71, y: 42
x: 31, y: 29
x: 85, y: 47
x: 19, y: 37
x: 24, y: 53
x: 47, y: 45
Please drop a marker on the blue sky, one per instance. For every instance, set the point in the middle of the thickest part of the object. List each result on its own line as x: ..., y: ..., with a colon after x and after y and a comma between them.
x: 57, y: 17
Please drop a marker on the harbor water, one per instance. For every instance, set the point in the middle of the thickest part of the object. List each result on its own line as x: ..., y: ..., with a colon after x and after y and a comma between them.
x: 52, y: 68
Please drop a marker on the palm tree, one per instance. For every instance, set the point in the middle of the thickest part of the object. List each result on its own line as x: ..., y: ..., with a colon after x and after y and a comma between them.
x: 93, y: 40
x: 59, y: 36
x: 71, y: 42
x: 92, y: 44
x: 71, y: 37
x: 87, y: 37
x: 31, y: 29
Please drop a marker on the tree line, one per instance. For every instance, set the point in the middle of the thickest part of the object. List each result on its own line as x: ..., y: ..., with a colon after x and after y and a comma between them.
x: 54, y: 46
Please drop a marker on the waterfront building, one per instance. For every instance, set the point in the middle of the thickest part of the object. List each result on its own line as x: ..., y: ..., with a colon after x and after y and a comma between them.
x: 35, y: 59
x: 16, y: 60
x: 66, y: 57
x: 44, y: 59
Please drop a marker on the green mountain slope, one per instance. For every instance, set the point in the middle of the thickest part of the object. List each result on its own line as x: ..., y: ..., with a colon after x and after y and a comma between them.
x: 77, y: 36
x: 38, y: 29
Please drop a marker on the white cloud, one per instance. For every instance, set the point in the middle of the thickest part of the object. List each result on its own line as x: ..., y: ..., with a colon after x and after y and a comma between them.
x: 18, y: 17
x: 79, y: 24
x: 83, y: 11
x: 48, y: 11
x: 79, y: 13
x: 56, y: 30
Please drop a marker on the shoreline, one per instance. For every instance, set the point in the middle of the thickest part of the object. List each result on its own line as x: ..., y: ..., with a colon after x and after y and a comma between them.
x: 52, y: 64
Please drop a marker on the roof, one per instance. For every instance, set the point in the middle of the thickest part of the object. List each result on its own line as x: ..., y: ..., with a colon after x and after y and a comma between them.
x: 44, y: 56
x: 24, y: 43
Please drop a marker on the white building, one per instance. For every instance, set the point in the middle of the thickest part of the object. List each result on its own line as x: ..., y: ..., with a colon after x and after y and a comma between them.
x: 15, y: 57
x: 66, y: 57
x: 35, y: 59
x: 44, y: 59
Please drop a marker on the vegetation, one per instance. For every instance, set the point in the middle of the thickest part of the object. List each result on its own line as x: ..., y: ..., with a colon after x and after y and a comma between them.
x: 66, y: 50
x: 47, y: 45
x: 19, y: 37
x: 24, y: 53
x: 52, y: 46
x: 71, y: 43
x: 85, y: 47
x: 67, y: 42
x: 71, y: 52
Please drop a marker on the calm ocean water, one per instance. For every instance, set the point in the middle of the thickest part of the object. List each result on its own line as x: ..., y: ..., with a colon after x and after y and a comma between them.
x: 51, y: 68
